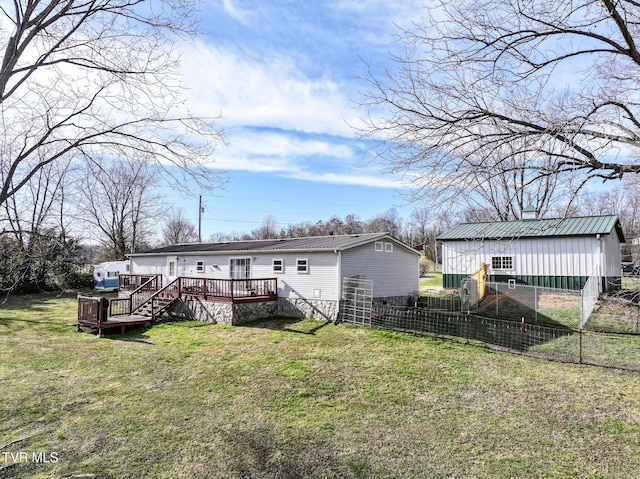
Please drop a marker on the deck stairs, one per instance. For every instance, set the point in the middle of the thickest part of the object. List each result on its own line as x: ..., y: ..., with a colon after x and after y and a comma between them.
x: 153, y: 303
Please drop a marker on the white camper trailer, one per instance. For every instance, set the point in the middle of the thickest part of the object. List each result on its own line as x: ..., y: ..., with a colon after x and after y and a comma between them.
x: 105, y: 275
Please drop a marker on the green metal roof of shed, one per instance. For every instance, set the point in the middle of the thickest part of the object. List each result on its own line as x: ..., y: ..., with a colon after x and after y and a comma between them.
x: 582, y: 226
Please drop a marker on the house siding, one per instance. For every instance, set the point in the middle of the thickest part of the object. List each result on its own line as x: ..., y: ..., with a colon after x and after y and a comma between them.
x: 319, y: 283
x: 394, y: 273
x: 314, y: 293
x: 561, y: 262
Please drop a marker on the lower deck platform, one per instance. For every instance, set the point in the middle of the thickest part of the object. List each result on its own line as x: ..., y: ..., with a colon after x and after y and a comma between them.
x: 121, y: 321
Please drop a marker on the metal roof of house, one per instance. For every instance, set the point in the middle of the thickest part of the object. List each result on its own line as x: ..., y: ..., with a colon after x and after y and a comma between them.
x: 581, y: 226
x: 311, y: 243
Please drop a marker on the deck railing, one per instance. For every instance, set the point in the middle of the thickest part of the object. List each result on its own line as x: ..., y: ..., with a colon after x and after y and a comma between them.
x: 132, y: 282
x: 91, y: 309
x: 119, y: 306
x: 162, y: 299
x: 230, y: 289
x: 233, y: 290
x: 147, y: 289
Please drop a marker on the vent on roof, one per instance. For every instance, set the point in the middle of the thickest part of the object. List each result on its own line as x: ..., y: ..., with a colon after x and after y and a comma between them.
x: 529, y: 213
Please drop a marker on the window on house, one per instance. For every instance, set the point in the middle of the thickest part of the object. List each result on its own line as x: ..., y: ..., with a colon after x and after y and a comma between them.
x: 199, y: 266
x: 240, y: 268
x: 278, y: 266
x: 388, y: 247
x: 502, y: 262
x: 379, y: 246
x: 112, y: 274
x: 302, y: 265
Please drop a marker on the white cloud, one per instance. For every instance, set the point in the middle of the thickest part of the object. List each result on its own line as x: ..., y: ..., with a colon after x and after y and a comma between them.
x: 283, y: 79
x: 296, y: 158
x: 262, y: 91
x: 267, y: 143
x: 235, y: 12
x: 347, y: 178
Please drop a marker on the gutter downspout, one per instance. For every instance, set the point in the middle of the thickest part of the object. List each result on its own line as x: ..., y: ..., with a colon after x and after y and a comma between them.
x: 339, y: 273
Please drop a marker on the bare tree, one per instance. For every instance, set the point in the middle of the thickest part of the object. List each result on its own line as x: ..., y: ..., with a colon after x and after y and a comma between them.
x: 624, y: 202
x: 120, y: 204
x: 353, y: 225
x: 268, y: 229
x: 37, y: 253
x: 96, y: 80
x: 500, y: 100
x: 387, y: 222
x: 178, y: 229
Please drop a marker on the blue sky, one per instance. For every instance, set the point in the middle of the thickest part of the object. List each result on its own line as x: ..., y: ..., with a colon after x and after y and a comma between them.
x: 283, y: 75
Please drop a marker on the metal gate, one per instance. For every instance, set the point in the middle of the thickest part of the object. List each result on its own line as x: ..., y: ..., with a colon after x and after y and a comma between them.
x: 357, y: 300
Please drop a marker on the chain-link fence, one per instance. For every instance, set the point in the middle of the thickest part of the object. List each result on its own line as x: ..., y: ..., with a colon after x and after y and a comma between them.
x: 537, y: 304
x: 440, y: 300
x: 590, y: 294
x: 556, y: 342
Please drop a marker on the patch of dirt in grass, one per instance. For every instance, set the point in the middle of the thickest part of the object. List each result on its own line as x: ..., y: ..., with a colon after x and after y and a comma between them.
x: 558, y: 301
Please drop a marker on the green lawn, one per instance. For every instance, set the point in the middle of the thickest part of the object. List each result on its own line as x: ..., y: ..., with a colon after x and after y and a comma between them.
x: 430, y: 281
x: 298, y: 399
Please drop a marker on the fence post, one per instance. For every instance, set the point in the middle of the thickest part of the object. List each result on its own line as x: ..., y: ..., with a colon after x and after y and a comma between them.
x: 581, y: 315
x: 468, y: 326
x: 522, y: 333
x: 415, y: 318
x: 580, y: 334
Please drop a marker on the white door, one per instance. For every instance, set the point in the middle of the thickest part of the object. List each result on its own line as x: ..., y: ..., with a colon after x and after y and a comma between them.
x: 172, y: 269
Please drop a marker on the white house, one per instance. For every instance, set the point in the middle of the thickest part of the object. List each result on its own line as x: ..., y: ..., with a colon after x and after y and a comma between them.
x: 556, y: 253
x: 309, y: 271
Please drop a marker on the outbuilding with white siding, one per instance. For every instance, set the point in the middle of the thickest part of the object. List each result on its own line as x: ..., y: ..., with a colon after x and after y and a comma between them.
x: 309, y: 270
x: 557, y: 253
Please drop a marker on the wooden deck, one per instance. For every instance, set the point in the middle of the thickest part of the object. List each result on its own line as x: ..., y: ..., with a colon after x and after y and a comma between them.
x: 150, y: 298
x: 93, y: 314
x: 117, y: 322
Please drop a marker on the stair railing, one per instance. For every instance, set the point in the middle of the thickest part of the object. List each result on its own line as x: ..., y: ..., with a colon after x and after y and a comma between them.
x: 141, y: 295
x: 164, y: 298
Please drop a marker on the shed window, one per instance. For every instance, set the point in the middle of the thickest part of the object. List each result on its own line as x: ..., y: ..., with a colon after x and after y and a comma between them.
x: 388, y: 247
x: 199, y: 266
x: 302, y: 265
x: 379, y: 246
x: 502, y: 262
x: 278, y: 266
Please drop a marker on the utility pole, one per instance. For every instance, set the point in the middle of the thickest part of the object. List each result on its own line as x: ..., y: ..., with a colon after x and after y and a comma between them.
x: 200, y: 210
